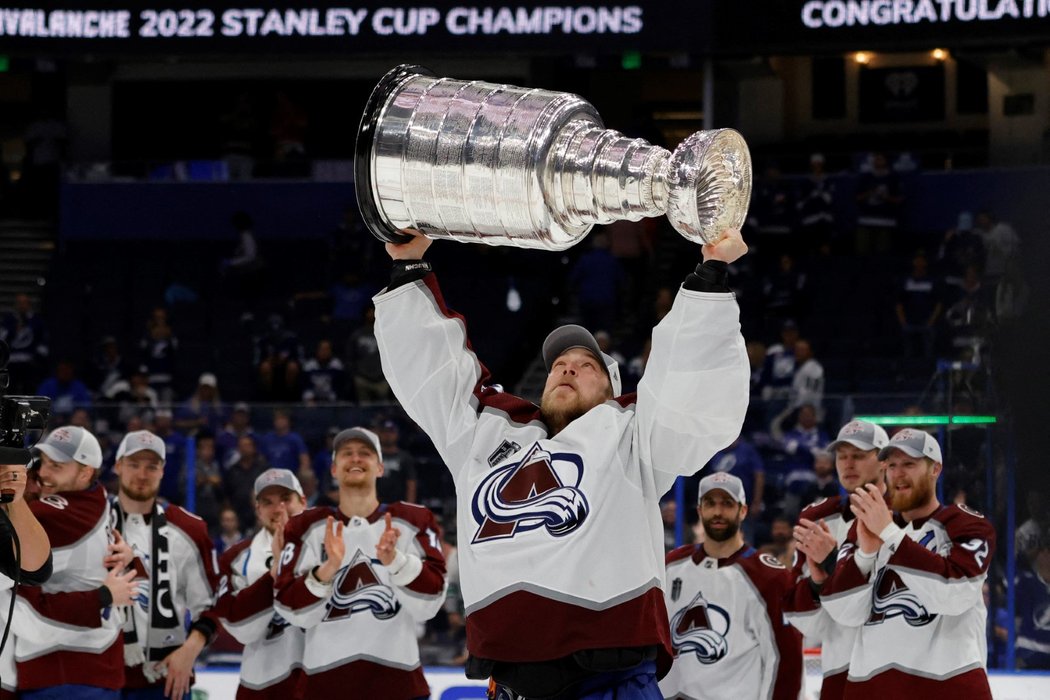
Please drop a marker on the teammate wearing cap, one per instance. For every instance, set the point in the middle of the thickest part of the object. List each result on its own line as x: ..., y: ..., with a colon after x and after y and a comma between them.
x: 175, y: 559
x: 821, y: 530
x: 547, y: 492
x: 359, y: 578
x: 273, y: 650
x: 724, y: 602
x: 68, y: 635
x: 911, y: 580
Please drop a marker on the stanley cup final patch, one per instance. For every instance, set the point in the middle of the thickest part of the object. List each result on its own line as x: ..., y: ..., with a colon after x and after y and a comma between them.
x: 676, y: 589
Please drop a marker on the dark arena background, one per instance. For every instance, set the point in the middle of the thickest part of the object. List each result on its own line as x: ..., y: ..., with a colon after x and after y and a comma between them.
x: 180, y: 246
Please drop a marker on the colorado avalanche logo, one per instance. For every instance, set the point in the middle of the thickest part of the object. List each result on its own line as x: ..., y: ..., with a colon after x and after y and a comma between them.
x: 542, y: 490
x: 358, y: 589
x: 700, y: 628
x: 891, y: 598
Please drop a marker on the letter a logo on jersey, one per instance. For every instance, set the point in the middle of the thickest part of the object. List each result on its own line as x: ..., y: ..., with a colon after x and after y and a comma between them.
x: 358, y: 589
x: 700, y: 628
x: 542, y: 490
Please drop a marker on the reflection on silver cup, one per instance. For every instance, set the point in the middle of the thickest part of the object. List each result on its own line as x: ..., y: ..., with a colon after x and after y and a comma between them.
x: 504, y: 165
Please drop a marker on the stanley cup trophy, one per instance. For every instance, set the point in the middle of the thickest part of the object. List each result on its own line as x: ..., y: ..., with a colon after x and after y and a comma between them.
x: 503, y: 165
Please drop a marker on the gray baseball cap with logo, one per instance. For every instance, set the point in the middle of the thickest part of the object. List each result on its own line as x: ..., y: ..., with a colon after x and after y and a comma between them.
x: 573, y: 336
x: 140, y: 440
x: 726, y: 482
x: 914, y: 443
x: 862, y: 435
x: 358, y: 433
x: 278, y: 477
x: 71, y: 444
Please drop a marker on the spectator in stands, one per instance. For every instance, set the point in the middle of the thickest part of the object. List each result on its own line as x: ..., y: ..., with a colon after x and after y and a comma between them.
x: 669, y: 516
x: 636, y: 366
x: 826, y: 483
x: 25, y: 333
x: 799, y: 445
x: 744, y: 462
x: 919, y: 306
x: 203, y: 410
x: 324, y: 376
x: 158, y: 350
x: 210, y: 495
x: 239, y: 481
x: 278, y: 361
x: 971, y: 317
x: 65, y: 391
x: 134, y: 395
x: 283, y: 447
x: 245, y: 258
x: 1001, y: 243
x: 173, y: 483
x: 238, y: 426
x: 960, y: 248
x: 1033, y: 610
x: 784, y: 290
x: 239, y: 128
x: 816, y: 207
x: 878, y: 206
x: 779, y: 368
x: 363, y: 351
x: 1029, y: 535
x: 229, y: 530
x: 807, y: 386
x: 782, y: 543
x: 398, y: 482
x: 288, y: 126
x: 598, y: 280
x: 351, y: 297
x: 756, y: 357
x: 322, y: 461
x: 107, y: 368
x: 772, y: 211
x: 605, y: 344
x: 351, y: 246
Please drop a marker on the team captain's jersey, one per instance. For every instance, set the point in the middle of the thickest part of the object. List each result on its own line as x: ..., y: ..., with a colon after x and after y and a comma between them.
x: 273, y: 649
x: 920, y: 611
x: 560, y: 538
x: 728, y: 628
x: 361, y: 627
x: 804, y: 611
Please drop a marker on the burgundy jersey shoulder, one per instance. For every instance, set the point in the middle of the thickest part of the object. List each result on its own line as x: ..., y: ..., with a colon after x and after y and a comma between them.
x: 228, y: 557
x: 419, y: 516
x: 299, y: 524
x: 626, y: 400
x: 963, y: 521
x: 193, y: 525
x: 68, y: 516
x: 766, y: 572
x: 824, y: 508
x: 679, y: 553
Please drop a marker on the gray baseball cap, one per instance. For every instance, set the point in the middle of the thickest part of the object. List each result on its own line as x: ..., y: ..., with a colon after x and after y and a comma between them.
x: 278, y: 477
x: 573, y: 336
x: 140, y: 440
x: 726, y: 482
x: 862, y: 435
x: 71, y: 444
x: 358, y: 433
x: 914, y: 443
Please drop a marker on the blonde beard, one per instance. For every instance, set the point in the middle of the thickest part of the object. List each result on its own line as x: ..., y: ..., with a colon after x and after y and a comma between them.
x: 921, y: 495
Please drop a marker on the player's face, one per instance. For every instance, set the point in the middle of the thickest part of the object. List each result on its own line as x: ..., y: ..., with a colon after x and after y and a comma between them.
x: 140, y: 474
x: 720, y: 515
x: 857, y: 467
x: 274, y: 502
x: 577, y: 383
x: 356, y: 465
x: 911, y: 481
x: 58, y: 477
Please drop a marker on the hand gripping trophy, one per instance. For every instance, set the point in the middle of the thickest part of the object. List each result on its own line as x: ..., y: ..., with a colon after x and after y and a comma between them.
x: 503, y: 165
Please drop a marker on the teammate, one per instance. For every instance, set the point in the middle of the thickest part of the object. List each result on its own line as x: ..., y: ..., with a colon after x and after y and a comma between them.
x: 360, y: 578
x: 67, y: 632
x: 561, y: 540
x: 271, y: 665
x: 821, y: 530
x: 175, y: 559
x: 725, y: 604
x: 911, y: 581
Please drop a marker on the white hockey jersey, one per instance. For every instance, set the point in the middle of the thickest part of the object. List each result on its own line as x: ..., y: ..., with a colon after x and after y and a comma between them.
x: 361, y: 628
x: 920, y: 611
x: 728, y: 628
x: 545, y: 523
x: 273, y: 649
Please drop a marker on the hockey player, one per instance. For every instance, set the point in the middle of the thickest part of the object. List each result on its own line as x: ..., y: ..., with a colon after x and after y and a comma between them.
x: 725, y: 604
x: 273, y: 650
x: 911, y: 581
x: 821, y: 530
x: 359, y: 578
x: 175, y: 557
x: 545, y: 492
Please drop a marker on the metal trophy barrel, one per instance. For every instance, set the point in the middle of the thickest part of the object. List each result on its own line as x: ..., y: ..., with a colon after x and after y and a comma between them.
x: 502, y: 165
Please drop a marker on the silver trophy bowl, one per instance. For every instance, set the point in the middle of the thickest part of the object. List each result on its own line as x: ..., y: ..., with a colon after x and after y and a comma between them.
x: 486, y: 163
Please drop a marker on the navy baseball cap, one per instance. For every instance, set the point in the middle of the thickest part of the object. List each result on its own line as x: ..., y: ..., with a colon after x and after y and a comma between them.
x: 573, y: 336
